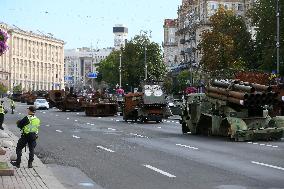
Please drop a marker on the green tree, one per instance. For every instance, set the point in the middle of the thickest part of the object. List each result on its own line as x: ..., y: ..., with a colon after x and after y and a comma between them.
x: 263, y: 17
x: 3, y: 89
x: 183, y: 78
x: 168, y: 84
x: 17, y: 89
x: 133, y: 63
x: 228, y: 44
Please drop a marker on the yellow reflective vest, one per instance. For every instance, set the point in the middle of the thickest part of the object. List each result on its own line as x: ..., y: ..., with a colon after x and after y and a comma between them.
x: 2, y: 110
x: 32, y: 126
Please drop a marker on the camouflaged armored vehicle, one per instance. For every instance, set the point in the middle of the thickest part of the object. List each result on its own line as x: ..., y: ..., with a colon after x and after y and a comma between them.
x: 235, y: 110
x: 150, y: 105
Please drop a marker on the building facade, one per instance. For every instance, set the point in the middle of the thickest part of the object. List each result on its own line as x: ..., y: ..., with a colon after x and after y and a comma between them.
x: 34, y: 61
x: 170, y: 43
x: 193, y: 19
x: 80, y: 63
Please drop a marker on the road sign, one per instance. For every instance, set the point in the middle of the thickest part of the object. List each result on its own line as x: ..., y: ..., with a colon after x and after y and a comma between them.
x: 92, y: 75
x: 68, y: 78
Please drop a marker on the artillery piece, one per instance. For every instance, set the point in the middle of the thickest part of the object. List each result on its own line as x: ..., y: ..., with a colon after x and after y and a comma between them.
x: 234, y: 109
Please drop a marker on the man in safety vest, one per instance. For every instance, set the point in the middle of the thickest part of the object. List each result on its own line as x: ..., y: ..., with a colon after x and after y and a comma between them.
x: 12, y: 104
x: 30, y: 127
x: 2, y: 113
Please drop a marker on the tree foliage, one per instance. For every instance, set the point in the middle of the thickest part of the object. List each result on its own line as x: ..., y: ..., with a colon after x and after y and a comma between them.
x: 228, y: 44
x: 133, y: 63
x: 183, y: 79
x: 17, y: 89
x: 263, y: 17
x: 3, y: 89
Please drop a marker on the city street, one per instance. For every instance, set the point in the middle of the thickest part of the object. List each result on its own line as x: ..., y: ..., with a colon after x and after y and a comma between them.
x: 125, y: 155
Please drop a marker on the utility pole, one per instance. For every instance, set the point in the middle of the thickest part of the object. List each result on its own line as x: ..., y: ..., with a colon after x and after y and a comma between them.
x: 120, y: 70
x: 278, y: 33
x: 146, y: 63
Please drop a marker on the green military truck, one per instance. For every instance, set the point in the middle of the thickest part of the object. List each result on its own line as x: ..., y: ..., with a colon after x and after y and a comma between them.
x: 235, y: 110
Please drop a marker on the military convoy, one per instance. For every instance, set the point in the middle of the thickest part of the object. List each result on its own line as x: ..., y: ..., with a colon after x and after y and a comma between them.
x: 149, y: 105
x: 234, y: 109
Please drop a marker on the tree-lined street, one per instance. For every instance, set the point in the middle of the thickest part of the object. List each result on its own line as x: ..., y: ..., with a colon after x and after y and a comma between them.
x: 117, y: 154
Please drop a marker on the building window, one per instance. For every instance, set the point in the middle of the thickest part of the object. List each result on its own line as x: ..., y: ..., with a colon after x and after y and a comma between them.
x: 240, y: 7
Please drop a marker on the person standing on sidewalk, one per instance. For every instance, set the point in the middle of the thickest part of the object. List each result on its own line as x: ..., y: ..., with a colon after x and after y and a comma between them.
x: 30, y: 127
x: 12, y: 104
x: 2, y: 114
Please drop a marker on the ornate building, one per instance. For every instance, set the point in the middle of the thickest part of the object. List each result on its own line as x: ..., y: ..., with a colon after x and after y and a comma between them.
x: 170, y: 43
x: 34, y: 61
x: 193, y: 19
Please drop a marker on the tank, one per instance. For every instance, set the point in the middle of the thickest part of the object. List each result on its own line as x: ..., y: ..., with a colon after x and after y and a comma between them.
x: 31, y: 97
x: 150, y: 105
x: 100, y: 105
x: 232, y: 109
x: 24, y: 97
x: 71, y: 102
x: 55, y: 97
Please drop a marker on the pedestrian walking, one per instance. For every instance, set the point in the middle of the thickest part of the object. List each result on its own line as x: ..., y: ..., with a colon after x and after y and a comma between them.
x: 29, y: 126
x: 3, y: 111
x: 12, y: 105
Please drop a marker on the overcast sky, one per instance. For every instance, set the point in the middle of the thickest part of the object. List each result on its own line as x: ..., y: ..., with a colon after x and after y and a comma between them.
x: 84, y: 22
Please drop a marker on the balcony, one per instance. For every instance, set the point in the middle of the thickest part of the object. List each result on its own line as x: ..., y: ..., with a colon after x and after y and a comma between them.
x: 182, y: 41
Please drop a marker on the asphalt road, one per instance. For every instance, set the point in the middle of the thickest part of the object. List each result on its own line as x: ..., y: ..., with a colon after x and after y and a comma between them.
x: 125, y: 155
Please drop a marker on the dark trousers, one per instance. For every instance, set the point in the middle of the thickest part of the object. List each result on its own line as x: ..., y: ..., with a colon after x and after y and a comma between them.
x: 1, y: 121
x: 12, y: 108
x: 25, y: 139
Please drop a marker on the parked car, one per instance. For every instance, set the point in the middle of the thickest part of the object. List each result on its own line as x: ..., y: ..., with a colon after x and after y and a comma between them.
x: 41, y: 104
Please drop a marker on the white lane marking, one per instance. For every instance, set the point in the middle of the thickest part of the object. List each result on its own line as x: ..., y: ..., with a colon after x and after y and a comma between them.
x: 274, y: 146
x: 159, y: 127
x: 67, y: 118
x: 129, y: 122
x: 191, y: 147
x: 269, y: 145
x: 262, y: 144
x: 267, y: 165
x: 43, y: 112
x: 74, y: 136
x: 138, y: 135
x: 100, y: 117
x: 168, y: 121
x: 106, y: 149
x: 20, y: 113
x: 58, y: 131
x: 254, y: 143
x: 159, y: 171
x: 111, y: 129
x: 117, y: 120
x: 48, y: 125
x: 92, y: 124
x: 56, y: 115
x: 88, y: 123
x: 177, y: 122
x: 77, y: 113
x: 86, y: 184
x: 76, y: 120
x: 173, y: 121
x: 249, y: 142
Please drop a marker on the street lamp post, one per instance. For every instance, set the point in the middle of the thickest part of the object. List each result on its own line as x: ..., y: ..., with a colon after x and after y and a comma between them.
x: 146, y: 63
x: 120, y: 70
x: 278, y: 35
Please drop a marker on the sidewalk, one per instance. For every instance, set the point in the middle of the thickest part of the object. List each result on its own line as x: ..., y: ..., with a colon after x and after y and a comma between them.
x: 38, y: 177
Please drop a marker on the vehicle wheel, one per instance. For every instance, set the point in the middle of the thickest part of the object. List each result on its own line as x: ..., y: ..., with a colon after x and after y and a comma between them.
x: 185, y: 129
